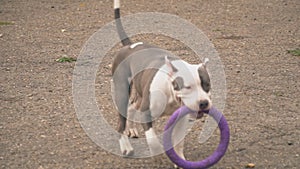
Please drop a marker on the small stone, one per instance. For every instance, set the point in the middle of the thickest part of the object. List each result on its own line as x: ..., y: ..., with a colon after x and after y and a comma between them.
x: 41, y: 167
x: 250, y: 165
x: 63, y: 30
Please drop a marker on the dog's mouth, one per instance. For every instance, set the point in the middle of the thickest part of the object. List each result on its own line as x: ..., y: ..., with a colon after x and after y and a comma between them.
x: 199, y: 114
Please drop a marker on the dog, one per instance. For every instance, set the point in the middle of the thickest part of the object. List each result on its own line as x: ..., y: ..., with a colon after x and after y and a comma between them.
x: 149, y: 82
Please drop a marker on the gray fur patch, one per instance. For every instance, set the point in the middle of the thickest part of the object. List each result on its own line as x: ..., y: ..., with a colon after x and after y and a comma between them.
x: 204, y: 77
x: 178, y: 83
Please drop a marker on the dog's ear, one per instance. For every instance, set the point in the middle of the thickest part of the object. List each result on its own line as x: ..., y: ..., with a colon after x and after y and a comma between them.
x: 204, y: 76
x: 206, y: 60
x: 171, y: 68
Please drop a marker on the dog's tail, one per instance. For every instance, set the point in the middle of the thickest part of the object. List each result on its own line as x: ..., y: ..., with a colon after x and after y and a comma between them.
x: 122, y: 34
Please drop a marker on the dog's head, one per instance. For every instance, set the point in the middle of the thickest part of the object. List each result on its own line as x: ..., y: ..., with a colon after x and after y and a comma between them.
x: 190, y: 84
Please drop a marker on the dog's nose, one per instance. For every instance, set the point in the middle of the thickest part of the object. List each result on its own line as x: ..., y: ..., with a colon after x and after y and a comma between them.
x: 203, y: 104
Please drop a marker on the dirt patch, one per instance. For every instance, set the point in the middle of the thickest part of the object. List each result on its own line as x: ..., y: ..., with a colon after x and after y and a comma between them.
x: 39, y: 127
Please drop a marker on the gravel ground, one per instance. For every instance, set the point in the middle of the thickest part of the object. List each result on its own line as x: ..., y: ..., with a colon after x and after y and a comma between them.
x: 39, y: 128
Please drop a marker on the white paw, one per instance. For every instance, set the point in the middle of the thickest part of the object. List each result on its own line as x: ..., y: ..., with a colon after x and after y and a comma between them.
x: 175, y: 166
x: 125, y: 146
x: 132, y: 133
x: 153, y: 142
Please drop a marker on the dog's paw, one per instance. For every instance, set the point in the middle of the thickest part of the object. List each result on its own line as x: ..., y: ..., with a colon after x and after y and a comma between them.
x: 175, y: 166
x: 153, y: 142
x: 127, y: 153
x: 125, y: 146
x: 132, y: 133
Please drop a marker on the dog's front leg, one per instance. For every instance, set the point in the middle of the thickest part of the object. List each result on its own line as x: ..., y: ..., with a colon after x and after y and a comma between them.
x: 153, y: 142
x: 178, y: 136
x: 151, y: 137
x: 156, y: 108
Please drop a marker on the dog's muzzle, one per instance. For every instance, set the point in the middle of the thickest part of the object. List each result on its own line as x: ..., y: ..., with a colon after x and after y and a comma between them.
x: 199, y: 114
x: 202, y: 107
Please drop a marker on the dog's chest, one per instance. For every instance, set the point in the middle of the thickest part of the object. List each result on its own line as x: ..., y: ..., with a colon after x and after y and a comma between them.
x: 161, y: 93
x: 171, y: 107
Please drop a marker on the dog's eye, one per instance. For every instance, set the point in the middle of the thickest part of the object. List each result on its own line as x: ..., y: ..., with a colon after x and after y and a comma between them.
x: 187, y: 87
x: 177, y: 86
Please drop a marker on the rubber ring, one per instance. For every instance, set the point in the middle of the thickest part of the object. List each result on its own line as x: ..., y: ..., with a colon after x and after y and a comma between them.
x: 209, y: 161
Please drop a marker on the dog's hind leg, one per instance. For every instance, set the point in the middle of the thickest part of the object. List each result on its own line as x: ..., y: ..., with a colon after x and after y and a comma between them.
x: 120, y: 91
x: 133, y: 116
x: 125, y: 146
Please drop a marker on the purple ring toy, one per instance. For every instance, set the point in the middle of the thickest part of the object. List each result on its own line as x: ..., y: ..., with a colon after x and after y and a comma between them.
x: 209, y: 161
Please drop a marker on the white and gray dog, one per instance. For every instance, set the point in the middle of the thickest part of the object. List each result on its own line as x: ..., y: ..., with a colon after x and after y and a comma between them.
x: 148, y: 82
